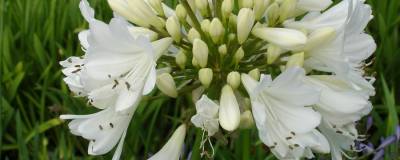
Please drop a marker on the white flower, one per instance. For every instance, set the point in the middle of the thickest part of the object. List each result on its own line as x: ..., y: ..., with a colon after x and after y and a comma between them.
x: 344, y: 54
x: 283, y: 121
x: 103, y: 129
x: 340, y: 106
x: 206, y: 117
x: 118, y: 67
x: 173, y: 148
x: 72, y: 70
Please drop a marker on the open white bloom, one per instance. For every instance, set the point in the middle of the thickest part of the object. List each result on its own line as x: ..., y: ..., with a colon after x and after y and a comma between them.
x: 340, y: 106
x: 173, y: 148
x: 119, y: 67
x: 344, y: 53
x: 206, y: 117
x: 104, y: 129
x: 284, y: 122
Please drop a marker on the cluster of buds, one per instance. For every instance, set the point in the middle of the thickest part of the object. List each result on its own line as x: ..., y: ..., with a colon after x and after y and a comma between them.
x: 291, y: 68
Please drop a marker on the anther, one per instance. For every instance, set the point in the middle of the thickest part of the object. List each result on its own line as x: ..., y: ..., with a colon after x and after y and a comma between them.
x: 101, y: 127
x: 128, y: 86
x: 340, y: 132
x: 292, y: 133
x: 76, y: 70
x: 296, y: 145
x: 111, y: 125
x: 290, y: 147
x: 288, y: 138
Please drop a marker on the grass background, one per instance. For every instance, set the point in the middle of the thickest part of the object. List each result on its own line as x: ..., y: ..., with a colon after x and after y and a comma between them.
x: 36, y: 34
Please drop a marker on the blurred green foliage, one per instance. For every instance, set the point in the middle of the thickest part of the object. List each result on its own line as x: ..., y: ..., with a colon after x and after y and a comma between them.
x: 36, y: 34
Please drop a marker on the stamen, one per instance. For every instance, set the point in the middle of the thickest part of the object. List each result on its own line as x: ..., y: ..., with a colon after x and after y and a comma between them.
x: 288, y: 138
x: 296, y: 145
x: 109, y: 76
x: 101, y: 127
x: 69, y: 60
x: 292, y: 133
x: 339, y: 132
x: 76, y: 70
x: 290, y: 147
x: 128, y: 86
x: 111, y: 125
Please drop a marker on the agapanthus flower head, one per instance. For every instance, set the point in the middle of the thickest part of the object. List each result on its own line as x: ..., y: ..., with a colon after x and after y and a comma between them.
x: 294, y: 68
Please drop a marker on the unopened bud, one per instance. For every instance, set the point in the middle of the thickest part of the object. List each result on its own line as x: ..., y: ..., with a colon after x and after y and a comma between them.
x: 174, y: 28
x: 273, y: 53
x: 217, y: 30
x: 233, y: 21
x: 287, y: 9
x: 231, y: 36
x: 259, y: 8
x: 166, y: 84
x: 296, y: 60
x: 245, y: 23
x: 229, y: 112
x: 285, y: 38
x: 200, y: 52
x: 239, y: 55
x: 193, y: 34
x: 202, y: 5
x: 180, y: 12
x: 255, y: 74
x: 222, y: 50
x: 157, y: 6
x: 273, y: 14
x: 205, y: 25
x: 233, y: 79
x: 245, y: 3
x: 246, y: 120
x: 227, y: 7
x: 181, y: 59
x: 205, y: 76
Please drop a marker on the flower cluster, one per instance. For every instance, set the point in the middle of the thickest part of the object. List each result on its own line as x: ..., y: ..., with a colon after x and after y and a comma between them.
x: 294, y: 68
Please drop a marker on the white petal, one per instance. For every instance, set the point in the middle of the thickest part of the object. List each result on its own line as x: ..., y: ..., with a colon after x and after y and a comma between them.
x: 150, y: 81
x: 282, y: 37
x: 172, y: 149
x: 161, y: 46
x: 313, y: 5
x: 86, y: 10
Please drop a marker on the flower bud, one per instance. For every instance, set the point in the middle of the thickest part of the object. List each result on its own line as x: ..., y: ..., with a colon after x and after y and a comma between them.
x: 246, y: 120
x: 245, y: 3
x: 205, y: 25
x: 157, y: 6
x: 285, y: 38
x: 231, y: 36
x: 222, y: 50
x: 245, y: 23
x: 312, y: 5
x: 200, y: 52
x: 296, y: 60
x: 173, y: 148
x: 255, y: 74
x: 273, y: 14
x: 238, y: 55
x: 259, y: 8
x: 233, y: 79
x: 195, y: 63
x: 193, y: 34
x: 227, y: 7
x: 180, y: 12
x: 320, y: 37
x: 181, y: 59
x: 273, y: 53
x: 205, y: 76
x: 166, y: 84
x: 287, y: 9
x: 217, y: 32
x: 232, y: 21
x: 229, y: 112
x: 202, y: 5
x: 136, y: 11
x: 174, y: 28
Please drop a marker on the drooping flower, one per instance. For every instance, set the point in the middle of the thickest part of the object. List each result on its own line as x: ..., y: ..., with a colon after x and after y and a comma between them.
x: 284, y: 122
x: 206, y: 117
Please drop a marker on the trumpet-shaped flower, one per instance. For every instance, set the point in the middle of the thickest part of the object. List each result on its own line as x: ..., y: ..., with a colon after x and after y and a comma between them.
x: 284, y: 122
x: 103, y: 129
x: 206, y: 117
